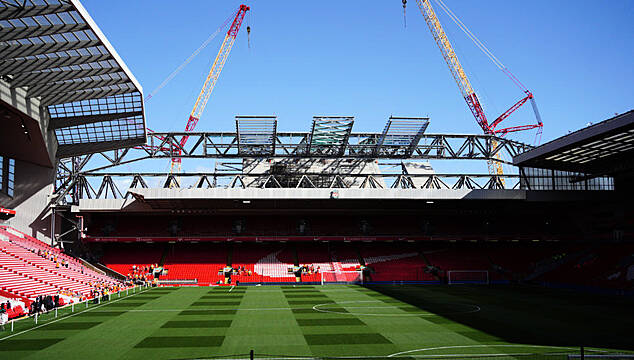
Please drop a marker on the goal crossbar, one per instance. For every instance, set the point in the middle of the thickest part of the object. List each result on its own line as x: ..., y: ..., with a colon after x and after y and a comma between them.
x: 467, y: 277
x: 341, y: 277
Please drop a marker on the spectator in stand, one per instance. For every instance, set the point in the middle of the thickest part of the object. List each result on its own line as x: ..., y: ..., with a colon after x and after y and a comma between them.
x: 4, y: 317
x: 38, y: 304
x: 48, y: 303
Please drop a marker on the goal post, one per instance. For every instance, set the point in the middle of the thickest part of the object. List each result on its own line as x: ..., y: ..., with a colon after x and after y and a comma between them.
x: 467, y: 277
x: 341, y: 277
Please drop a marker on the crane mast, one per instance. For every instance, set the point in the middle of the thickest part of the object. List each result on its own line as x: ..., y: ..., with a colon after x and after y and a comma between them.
x: 209, y: 85
x: 452, y: 61
x: 459, y: 75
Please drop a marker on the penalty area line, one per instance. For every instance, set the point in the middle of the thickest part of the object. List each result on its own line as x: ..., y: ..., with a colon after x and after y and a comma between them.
x: 409, y: 352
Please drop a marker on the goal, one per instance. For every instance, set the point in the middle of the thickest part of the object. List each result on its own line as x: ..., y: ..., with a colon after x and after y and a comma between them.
x: 468, y: 277
x: 341, y: 277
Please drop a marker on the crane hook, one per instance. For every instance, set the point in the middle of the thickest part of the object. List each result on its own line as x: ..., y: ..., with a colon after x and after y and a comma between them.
x: 404, y: 17
x: 249, y: 36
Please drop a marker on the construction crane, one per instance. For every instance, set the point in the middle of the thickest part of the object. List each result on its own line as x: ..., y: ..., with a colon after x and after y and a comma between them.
x: 459, y: 75
x: 208, y: 87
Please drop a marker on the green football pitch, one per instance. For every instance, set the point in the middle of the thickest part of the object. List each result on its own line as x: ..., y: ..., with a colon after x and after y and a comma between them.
x: 328, y: 321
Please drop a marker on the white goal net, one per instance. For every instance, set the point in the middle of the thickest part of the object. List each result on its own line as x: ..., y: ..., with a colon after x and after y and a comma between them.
x: 341, y: 277
x: 468, y: 277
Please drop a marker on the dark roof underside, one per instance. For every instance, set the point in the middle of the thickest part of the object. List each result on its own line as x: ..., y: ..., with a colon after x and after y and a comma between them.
x: 55, y: 51
x: 606, y: 148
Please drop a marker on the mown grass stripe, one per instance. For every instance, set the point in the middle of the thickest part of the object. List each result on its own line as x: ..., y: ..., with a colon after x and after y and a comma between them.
x: 234, y: 297
x: 391, y: 301
x: 209, y: 312
x: 180, y: 341
x: 100, y: 313
x: 27, y: 344
x: 298, y: 286
x: 126, y: 304
x: 335, y: 310
x: 70, y: 325
x: 225, y: 294
x: 177, y: 324
x: 145, y: 297
x: 411, y: 309
x: 479, y: 336
x: 304, y: 311
x: 305, y: 296
x: 215, y: 303
x: 330, y: 322
x: 306, y: 302
x: 438, y: 320
x: 346, y: 339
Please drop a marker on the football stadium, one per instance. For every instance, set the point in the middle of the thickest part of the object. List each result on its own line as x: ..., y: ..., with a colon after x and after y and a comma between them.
x: 322, y: 237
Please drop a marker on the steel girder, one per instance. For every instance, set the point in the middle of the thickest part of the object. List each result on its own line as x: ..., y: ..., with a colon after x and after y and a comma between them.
x: 113, y: 185
x: 225, y: 145
x: 73, y: 173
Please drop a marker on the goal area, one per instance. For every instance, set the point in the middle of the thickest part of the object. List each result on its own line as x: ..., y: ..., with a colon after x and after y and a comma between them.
x: 341, y: 277
x: 468, y: 277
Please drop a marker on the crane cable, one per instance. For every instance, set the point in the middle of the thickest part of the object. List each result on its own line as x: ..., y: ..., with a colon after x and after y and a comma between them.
x: 481, y: 45
x: 404, y: 15
x: 249, y: 30
x: 190, y: 58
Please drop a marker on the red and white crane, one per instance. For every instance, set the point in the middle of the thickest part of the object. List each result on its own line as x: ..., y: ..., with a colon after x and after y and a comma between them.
x: 464, y: 85
x: 208, y: 87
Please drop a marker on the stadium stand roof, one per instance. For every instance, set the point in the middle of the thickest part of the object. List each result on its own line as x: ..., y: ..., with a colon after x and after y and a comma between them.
x: 329, y: 134
x: 55, y: 52
x: 605, y: 148
x: 401, y: 131
x: 256, y: 135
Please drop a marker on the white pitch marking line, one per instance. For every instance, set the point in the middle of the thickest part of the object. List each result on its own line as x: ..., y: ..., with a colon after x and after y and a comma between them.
x: 206, y: 309
x: 474, y: 346
x: 70, y: 316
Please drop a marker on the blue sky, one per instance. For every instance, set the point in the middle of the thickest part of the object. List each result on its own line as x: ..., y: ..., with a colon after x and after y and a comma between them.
x: 356, y: 58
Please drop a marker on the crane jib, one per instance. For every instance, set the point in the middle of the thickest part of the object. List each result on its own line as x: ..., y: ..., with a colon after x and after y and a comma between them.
x: 459, y: 75
x: 210, y: 83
